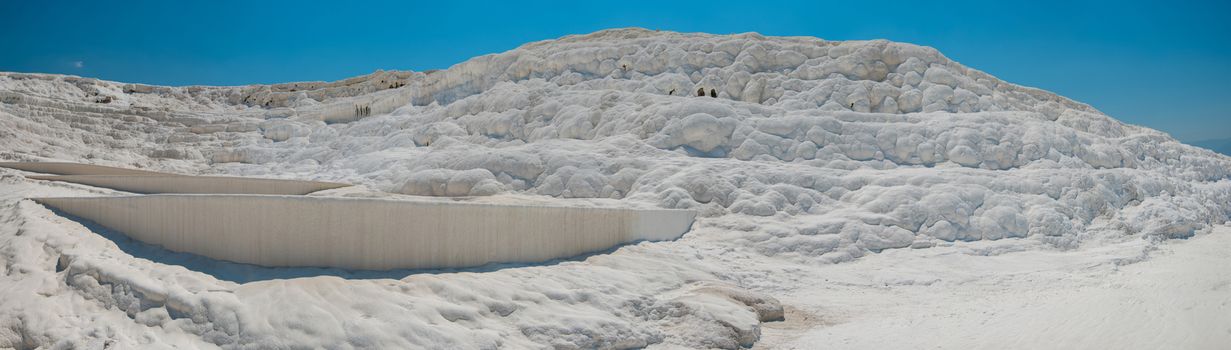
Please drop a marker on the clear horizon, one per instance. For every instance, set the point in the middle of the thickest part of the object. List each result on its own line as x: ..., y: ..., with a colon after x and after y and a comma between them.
x: 1160, y: 66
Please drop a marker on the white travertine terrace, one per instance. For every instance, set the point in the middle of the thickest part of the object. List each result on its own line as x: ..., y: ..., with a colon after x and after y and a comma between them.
x: 375, y: 234
x: 813, y: 152
x: 196, y: 184
x: 65, y: 168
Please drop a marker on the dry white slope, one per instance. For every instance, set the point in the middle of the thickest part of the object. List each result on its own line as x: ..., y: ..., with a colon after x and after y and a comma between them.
x: 814, y: 152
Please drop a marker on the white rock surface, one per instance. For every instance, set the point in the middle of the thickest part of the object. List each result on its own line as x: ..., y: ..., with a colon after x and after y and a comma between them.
x: 1127, y: 295
x: 77, y: 169
x: 814, y: 152
x: 194, y: 184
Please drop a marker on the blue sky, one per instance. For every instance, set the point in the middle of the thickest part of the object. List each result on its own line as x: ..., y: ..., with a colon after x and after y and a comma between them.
x: 1166, y: 65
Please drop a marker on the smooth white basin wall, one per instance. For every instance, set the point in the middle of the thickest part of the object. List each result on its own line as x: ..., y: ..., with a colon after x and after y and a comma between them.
x: 195, y: 184
x: 62, y: 168
x: 360, y: 233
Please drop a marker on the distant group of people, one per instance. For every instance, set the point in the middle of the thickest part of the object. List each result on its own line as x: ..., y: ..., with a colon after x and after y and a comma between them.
x: 700, y: 92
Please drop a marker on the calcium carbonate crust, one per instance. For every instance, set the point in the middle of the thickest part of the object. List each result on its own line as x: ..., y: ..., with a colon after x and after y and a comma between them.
x: 813, y: 151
